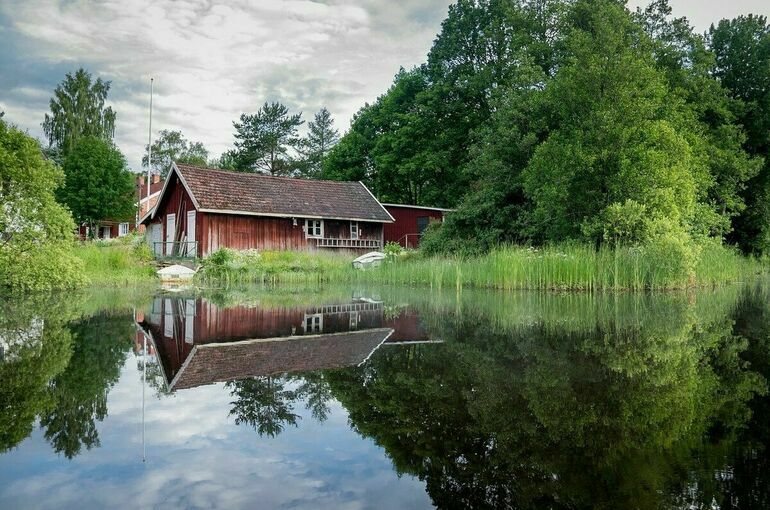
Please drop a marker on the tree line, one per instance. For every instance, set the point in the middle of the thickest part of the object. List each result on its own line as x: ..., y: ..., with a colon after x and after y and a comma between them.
x: 552, y: 120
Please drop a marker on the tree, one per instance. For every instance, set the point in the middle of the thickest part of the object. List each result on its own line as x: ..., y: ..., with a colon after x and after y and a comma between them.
x: 35, y: 230
x: 315, y: 147
x: 172, y: 146
x: 413, y: 144
x: 742, y: 65
x: 98, y: 185
x: 78, y: 110
x: 265, y: 140
x: 227, y: 161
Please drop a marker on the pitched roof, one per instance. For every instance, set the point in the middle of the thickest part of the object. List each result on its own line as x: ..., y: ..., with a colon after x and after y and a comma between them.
x: 262, y: 195
x: 218, y: 362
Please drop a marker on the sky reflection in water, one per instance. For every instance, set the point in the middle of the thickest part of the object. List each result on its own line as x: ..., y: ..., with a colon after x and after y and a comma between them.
x: 386, y: 399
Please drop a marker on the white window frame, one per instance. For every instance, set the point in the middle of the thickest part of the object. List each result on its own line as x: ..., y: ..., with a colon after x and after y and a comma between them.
x: 354, y: 232
x: 122, y: 229
x: 313, y: 323
x: 314, y: 229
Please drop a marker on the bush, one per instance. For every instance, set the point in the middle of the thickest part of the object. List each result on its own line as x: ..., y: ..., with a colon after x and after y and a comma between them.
x: 392, y: 250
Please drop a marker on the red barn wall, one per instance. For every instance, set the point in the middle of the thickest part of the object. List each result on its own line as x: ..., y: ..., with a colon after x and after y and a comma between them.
x: 267, y: 233
x: 406, y: 223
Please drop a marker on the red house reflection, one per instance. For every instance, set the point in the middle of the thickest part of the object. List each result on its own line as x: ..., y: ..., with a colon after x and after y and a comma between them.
x: 199, y: 342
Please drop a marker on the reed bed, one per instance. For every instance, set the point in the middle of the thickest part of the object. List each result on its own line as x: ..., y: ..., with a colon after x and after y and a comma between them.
x: 572, y: 267
x: 568, y: 268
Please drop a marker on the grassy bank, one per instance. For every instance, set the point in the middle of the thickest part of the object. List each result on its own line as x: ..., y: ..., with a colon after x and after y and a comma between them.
x: 573, y: 267
x: 123, y: 262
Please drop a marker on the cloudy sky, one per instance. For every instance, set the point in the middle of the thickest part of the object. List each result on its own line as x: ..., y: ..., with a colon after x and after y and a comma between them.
x: 213, y: 60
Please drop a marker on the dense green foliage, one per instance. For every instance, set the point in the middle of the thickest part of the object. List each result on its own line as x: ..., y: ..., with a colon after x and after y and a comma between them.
x: 172, y: 146
x: 742, y: 65
x: 578, y: 120
x: 78, y: 110
x: 97, y: 184
x: 35, y: 231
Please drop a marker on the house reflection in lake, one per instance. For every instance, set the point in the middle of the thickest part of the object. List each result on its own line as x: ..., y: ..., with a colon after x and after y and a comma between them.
x: 199, y: 342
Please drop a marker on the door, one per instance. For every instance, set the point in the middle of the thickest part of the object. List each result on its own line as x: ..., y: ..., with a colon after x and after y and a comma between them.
x: 170, y: 233
x: 190, y: 232
x: 105, y: 232
x: 156, y: 238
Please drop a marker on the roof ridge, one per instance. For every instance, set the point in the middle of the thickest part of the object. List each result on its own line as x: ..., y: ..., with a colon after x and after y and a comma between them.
x: 261, y: 175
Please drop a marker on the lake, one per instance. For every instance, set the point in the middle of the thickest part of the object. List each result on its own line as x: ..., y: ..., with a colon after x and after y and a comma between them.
x: 353, y: 398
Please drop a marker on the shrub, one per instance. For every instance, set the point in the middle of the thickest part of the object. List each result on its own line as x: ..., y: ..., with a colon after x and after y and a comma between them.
x: 392, y: 249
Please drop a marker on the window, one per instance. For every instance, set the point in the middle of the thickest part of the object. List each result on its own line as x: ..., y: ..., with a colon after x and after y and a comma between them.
x: 314, y: 228
x: 314, y: 323
x: 422, y: 223
x: 354, y: 230
x: 122, y: 229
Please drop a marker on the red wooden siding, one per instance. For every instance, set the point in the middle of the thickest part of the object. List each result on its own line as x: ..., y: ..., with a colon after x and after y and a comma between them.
x: 405, y: 230
x: 266, y: 233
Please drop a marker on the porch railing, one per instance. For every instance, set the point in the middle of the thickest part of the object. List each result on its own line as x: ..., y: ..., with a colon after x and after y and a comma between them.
x: 175, y: 249
x: 332, y: 242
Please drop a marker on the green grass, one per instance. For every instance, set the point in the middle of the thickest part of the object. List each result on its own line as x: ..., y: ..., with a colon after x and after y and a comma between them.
x: 568, y: 267
x: 572, y: 267
x: 119, y: 263
x: 229, y: 268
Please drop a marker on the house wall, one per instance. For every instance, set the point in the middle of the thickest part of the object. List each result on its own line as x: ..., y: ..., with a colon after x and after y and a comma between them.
x: 178, y: 202
x: 404, y: 230
x: 267, y: 233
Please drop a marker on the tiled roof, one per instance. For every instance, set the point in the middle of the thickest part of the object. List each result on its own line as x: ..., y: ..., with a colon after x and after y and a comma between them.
x: 234, y: 192
x: 219, y: 362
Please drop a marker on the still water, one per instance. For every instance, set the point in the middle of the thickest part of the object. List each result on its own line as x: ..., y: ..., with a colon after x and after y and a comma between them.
x: 385, y: 398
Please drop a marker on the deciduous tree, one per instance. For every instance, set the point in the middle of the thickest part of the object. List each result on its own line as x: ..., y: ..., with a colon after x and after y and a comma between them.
x: 98, y: 185
x: 172, y: 146
x: 78, y: 109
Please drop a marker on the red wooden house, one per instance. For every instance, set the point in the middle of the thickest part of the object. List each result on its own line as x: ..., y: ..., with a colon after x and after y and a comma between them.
x: 201, y: 210
x: 410, y: 222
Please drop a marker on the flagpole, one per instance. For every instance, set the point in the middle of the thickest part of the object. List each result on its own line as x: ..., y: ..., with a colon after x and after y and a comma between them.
x: 149, y: 148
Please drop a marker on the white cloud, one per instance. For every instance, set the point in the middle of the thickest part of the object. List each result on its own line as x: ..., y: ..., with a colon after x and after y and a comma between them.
x: 212, y: 61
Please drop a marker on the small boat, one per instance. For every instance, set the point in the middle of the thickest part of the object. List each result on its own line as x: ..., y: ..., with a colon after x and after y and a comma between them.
x: 371, y: 259
x: 176, y: 273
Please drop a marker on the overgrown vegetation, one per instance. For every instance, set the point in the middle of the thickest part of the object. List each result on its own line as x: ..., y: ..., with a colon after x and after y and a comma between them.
x: 121, y: 262
x: 227, y: 267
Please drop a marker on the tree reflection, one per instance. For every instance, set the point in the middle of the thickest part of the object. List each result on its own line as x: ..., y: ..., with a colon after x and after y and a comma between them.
x: 267, y: 404
x: 100, y: 347
x: 263, y: 403
x: 60, y: 357
x: 639, y: 410
x: 35, y: 349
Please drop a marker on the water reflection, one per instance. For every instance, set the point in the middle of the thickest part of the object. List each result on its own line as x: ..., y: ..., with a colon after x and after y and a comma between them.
x: 491, y: 400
